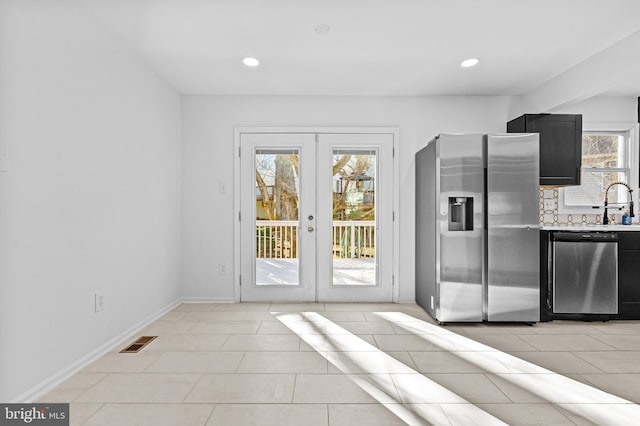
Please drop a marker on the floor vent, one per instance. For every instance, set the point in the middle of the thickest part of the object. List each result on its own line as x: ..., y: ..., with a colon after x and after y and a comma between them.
x: 138, y: 345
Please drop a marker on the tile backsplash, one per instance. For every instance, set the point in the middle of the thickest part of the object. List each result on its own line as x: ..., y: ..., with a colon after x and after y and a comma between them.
x: 549, y: 197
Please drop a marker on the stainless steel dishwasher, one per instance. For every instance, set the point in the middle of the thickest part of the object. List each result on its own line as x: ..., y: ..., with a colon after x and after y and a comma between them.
x: 585, y: 272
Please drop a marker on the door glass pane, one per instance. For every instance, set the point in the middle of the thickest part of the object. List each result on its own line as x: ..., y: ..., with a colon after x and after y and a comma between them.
x: 354, y: 217
x: 277, y: 194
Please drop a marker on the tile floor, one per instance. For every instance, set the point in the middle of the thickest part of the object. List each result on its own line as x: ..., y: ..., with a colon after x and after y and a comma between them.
x: 360, y: 364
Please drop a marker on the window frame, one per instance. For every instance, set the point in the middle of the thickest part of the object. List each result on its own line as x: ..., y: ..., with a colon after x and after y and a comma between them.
x: 631, y: 131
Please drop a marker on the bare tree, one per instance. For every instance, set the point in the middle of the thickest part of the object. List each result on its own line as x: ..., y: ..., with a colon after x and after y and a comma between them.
x: 352, y: 170
x: 267, y: 204
x: 285, y: 193
x: 282, y: 171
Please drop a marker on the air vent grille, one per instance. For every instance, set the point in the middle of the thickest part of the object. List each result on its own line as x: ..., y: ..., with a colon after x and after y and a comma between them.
x: 138, y: 345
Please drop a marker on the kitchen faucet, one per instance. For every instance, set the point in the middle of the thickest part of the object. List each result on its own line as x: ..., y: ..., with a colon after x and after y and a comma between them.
x: 605, y: 217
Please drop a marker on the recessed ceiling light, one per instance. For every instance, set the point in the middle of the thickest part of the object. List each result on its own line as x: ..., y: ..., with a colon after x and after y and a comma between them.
x: 468, y: 63
x: 250, y: 62
x: 322, y: 29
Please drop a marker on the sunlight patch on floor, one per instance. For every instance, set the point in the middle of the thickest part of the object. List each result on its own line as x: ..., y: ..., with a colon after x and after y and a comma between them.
x: 580, y: 399
x: 392, y: 383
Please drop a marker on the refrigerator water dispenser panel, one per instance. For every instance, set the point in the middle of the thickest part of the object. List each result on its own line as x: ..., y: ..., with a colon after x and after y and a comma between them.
x: 460, y: 213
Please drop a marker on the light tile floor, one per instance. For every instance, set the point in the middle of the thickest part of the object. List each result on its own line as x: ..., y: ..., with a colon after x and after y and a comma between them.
x: 360, y: 364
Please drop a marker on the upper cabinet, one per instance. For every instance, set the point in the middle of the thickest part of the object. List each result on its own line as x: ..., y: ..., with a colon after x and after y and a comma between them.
x: 560, y: 145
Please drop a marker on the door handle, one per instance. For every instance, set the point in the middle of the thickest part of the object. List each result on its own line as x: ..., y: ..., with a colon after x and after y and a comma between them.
x: 310, y: 229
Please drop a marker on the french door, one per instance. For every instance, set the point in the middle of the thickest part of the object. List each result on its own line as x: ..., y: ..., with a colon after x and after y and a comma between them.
x: 316, y: 217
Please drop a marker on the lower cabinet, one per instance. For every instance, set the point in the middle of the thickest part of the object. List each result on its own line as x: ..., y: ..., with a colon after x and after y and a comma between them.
x: 545, y: 276
x: 629, y: 275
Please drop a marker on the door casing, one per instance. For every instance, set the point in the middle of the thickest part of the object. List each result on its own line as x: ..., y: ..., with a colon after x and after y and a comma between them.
x: 238, y: 131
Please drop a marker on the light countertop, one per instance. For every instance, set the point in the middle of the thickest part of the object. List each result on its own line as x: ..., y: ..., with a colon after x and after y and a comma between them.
x: 591, y: 228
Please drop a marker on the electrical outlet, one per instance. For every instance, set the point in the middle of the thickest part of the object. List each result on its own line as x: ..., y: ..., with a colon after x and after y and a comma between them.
x: 549, y: 204
x: 98, y: 299
x: 223, y: 269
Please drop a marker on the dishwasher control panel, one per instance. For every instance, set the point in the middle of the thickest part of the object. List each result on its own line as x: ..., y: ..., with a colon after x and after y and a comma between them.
x: 585, y: 236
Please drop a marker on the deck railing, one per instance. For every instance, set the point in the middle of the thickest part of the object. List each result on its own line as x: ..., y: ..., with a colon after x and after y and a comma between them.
x: 278, y: 239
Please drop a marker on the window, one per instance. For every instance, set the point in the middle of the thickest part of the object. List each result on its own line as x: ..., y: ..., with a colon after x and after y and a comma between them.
x: 607, y: 157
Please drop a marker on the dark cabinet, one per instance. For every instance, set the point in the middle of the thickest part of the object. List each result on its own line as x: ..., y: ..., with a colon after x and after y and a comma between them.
x: 560, y: 145
x: 545, y: 276
x: 629, y: 275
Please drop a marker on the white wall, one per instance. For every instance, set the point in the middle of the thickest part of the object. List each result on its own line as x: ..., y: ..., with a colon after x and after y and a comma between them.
x: 208, y: 123
x: 605, y: 109
x: 91, y: 200
x: 598, y: 109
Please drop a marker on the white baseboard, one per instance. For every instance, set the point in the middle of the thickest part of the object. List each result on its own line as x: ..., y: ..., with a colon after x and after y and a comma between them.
x: 207, y: 300
x: 48, y: 384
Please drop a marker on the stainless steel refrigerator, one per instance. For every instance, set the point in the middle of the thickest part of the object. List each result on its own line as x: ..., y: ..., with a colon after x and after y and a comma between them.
x: 477, y: 228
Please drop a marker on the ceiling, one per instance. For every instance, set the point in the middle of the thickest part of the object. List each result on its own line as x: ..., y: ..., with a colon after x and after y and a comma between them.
x: 377, y: 47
